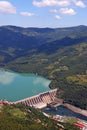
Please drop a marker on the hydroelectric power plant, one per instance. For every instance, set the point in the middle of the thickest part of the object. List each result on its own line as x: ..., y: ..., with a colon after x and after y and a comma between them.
x: 35, y: 93
x: 31, y: 90
x: 41, y: 100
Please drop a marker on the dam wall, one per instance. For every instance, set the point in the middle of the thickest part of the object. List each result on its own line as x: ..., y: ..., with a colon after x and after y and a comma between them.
x: 39, y: 101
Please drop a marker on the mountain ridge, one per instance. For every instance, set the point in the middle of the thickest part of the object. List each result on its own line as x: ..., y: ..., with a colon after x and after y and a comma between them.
x: 58, y: 54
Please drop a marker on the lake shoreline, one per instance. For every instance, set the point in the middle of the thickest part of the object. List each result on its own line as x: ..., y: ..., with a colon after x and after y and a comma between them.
x: 16, y: 86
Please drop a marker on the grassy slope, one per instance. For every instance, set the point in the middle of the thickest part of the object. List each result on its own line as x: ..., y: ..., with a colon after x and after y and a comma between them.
x: 20, y: 117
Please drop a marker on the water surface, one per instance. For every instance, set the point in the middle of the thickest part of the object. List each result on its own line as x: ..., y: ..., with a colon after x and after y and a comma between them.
x: 15, y: 86
x: 63, y: 111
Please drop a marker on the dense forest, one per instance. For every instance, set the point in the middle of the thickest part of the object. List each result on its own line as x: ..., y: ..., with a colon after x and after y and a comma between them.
x: 20, y: 117
x: 58, y: 54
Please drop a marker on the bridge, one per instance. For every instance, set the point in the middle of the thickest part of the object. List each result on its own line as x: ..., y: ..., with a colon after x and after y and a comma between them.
x: 39, y: 101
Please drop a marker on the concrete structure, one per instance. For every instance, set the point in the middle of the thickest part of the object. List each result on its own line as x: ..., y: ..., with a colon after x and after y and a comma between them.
x: 39, y: 101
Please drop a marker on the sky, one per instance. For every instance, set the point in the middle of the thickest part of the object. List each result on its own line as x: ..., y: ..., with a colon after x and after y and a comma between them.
x: 43, y: 13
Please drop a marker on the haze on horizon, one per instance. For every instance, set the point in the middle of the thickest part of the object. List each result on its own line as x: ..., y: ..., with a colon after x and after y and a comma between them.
x: 43, y: 13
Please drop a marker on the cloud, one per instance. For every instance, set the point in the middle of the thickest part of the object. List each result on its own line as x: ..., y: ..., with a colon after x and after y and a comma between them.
x: 44, y: 3
x: 6, y: 77
x: 57, y: 17
x: 27, y: 14
x: 7, y: 8
x: 53, y: 10
x: 79, y: 3
x: 67, y: 11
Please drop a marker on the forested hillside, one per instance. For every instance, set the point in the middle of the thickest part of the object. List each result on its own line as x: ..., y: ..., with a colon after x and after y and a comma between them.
x: 20, y: 117
x: 59, y: 54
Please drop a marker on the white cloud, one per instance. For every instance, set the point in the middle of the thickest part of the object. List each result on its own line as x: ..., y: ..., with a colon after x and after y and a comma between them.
x: 53, y: 10
x: 6, y: 77
x: 27, y: 14
x: 44, y: 3
x: 7, y: 8
x: 58, y: 17
x: 67, y: 11
x: 79, y: 3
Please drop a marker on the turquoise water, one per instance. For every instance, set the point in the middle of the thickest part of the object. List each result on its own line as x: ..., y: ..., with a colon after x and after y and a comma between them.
x: 15, y: 86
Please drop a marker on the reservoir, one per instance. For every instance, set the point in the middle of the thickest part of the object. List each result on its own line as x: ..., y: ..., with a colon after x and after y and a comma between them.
x: 15, y: 86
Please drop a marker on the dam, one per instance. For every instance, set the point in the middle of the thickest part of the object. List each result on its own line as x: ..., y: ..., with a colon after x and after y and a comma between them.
x: 39, y: 101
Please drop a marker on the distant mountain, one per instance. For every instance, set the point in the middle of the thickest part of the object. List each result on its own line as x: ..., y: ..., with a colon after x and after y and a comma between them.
x: 17, y: 41
x: 57, y: 53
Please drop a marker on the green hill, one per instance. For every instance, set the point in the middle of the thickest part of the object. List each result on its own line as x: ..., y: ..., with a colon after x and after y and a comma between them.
x: 58, y: 54
x: 21, y: 117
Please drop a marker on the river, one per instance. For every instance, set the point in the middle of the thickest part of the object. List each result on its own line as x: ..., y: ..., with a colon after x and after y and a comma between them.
x: 63, y: 111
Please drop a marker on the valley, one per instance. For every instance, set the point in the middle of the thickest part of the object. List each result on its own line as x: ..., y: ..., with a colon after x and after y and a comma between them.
x: 58, y: 54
